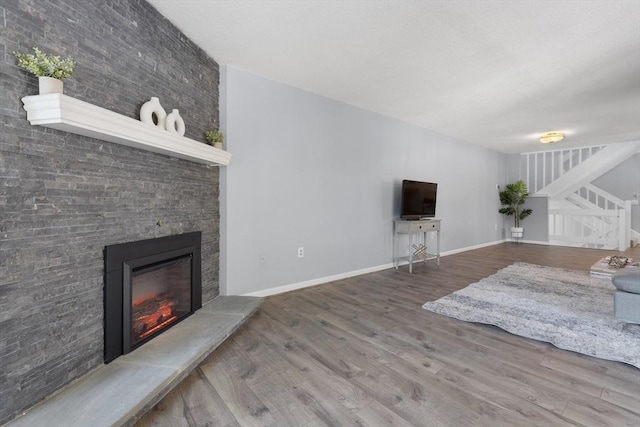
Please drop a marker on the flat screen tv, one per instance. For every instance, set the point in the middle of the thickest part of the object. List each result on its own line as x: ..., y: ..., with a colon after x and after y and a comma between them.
x: 418, y: 199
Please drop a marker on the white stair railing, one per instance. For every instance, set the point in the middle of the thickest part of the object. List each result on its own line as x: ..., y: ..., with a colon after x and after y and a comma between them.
x: 600, y: 198
x: 540, y: 169
x: 591, y: 228
x: 606, y: 225
x: 625, y: 227
x: 579, y: 212
x: 589, y: 169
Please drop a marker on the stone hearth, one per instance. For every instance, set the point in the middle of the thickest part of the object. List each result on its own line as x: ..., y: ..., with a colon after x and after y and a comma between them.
x: 122, y: 391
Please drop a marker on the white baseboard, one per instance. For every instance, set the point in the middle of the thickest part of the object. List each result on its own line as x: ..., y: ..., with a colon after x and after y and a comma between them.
x: 532, y: 242
x: 340, y: 276
x: 314, y: 282
x: 470, y: 248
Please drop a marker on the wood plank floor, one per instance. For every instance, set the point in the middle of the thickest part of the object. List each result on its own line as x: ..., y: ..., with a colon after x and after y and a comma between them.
x: 362, y: 352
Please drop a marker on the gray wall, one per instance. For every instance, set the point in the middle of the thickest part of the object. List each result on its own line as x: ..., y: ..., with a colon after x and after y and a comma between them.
x: 624, y: 183
x: 513, y: 168
x: 536, y: 225
x: 64, y: 197
x: 313, y: 172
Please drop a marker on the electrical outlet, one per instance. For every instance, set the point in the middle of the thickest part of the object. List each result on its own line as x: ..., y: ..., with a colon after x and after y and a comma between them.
x: 495, y: 227
x: 300, y: 252
x: 262, y: 259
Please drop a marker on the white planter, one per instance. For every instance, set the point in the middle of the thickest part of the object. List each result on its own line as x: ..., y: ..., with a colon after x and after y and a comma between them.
x: 49, y: 85
x: 218, y: 145
x: 517, y: 232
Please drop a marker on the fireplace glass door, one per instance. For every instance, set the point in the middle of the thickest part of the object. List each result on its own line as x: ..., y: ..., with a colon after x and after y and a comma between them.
x: 160, y: 295
x: 149, y: 286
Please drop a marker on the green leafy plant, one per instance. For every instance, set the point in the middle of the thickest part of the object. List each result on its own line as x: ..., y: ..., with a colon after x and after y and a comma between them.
x: 512, y: 198
x: 43, y: 65
x: 214, y: 136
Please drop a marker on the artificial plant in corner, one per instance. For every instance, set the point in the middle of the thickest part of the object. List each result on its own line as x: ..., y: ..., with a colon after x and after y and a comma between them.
x: 215, y: 138
x: 512, y: 198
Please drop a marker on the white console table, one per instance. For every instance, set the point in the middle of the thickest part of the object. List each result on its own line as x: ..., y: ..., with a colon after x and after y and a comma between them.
x: 419, y: 250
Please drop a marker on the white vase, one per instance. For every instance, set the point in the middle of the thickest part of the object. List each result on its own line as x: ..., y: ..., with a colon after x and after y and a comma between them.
x: 218, y: 145
x: 151, y: 108
x: 48, y: 85
x: 174, y: 123
x: 517, y: 232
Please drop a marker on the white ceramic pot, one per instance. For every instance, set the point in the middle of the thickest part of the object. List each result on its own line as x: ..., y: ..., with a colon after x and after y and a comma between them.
x: 218, y: 145
x: 49, y: 85
x: 517, y: 232
x: 174, y: 123
x: 151, y: 108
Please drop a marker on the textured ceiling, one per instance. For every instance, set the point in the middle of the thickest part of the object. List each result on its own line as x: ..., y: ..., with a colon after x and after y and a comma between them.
x: 494, y: 73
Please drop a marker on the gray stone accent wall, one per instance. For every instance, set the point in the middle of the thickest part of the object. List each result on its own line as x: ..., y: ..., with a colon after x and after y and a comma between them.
x: 64, y: 197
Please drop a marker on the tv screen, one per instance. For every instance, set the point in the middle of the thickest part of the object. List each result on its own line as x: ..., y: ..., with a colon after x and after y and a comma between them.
x: 418, y: 199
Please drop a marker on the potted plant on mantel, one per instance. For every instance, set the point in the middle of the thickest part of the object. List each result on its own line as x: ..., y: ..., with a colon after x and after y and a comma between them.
x: 51, y: 70
x: 512, y: 198
x: 215, y: 138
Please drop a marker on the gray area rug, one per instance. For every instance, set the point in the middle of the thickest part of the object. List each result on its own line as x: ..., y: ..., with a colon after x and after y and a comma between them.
x: 567, y: 308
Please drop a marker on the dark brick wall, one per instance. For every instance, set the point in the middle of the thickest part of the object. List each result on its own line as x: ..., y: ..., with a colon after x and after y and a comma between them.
x: 64, y: 197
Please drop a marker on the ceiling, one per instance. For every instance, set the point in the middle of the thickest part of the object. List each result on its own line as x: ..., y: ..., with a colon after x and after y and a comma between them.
x: 493, y: 73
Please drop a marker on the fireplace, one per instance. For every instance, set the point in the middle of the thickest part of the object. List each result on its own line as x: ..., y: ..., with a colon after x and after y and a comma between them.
x: 149, y: 286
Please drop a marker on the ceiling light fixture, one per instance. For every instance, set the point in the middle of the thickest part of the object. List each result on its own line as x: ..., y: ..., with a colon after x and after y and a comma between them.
x: 551, y: 137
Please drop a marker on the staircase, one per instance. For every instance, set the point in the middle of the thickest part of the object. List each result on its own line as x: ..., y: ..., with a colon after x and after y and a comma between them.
x: 581, y: 214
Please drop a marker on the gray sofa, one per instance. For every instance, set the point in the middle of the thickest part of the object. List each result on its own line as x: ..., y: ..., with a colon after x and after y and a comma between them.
x: 627, y: 297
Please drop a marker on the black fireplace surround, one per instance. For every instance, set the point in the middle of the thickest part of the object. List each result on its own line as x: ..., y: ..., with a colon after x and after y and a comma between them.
x: 122, y: 262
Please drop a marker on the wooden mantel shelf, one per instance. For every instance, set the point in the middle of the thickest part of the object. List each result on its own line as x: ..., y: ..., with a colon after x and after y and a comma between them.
x: 68, y: 114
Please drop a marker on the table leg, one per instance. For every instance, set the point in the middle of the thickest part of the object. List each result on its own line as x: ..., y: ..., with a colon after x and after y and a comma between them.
x: 410, y: 253
x: 395, y: 249
x: 438, y: 248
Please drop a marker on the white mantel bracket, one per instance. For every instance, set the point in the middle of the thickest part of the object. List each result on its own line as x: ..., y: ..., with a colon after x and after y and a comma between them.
x: 68, y: 114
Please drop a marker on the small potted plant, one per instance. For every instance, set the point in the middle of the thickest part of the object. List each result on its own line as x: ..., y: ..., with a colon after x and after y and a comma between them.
x: 512, y: 198
x: 215, y: 138
x: 51, y: 70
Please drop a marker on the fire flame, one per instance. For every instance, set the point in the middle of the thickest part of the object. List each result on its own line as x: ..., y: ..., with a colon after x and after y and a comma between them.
x: 145, y: 325
x: 157, y: 327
